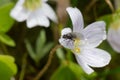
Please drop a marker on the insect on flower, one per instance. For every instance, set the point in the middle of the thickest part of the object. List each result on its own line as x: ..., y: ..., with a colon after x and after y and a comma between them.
x: 69, y: 36
x: 83, y: 42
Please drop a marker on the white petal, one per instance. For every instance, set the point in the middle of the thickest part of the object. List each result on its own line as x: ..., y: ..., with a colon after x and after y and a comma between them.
x: 66, y: 43
x: 85, y: 67
x: 19, y: 12
x: 77, y: 19
x: 66, y: 31
x: 49, y: 12
x: 113, y: 38
x: 37, y: 18
x: 94, y: 57
x: 95, y: 33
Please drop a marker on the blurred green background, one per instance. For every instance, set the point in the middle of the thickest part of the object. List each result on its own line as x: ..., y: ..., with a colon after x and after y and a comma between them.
x: 31, y: 47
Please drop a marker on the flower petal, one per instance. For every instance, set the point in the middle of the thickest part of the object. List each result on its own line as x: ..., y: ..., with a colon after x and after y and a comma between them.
x: 67, y: 43
x: 77, y: 19
x: 19, y: 12
x: 113, y: 38
x: 49, y: 12
x: 85, y: 67
x: 37, y: 18
x: 66, y: 31
x: 95, y: 33
x: 94, y: 57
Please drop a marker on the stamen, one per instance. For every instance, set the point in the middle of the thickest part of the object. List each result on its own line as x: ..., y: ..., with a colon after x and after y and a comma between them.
x: 77, y: 41
x: 77, y: 50
x: 76, y: 46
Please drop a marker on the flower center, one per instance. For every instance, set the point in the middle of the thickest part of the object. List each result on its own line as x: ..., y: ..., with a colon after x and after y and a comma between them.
x: 74, y: 41
x: 32, y: 4
x: 115, y: 25
x: 76, y: 45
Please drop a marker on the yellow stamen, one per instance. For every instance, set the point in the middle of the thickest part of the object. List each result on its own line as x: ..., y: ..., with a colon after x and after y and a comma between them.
x: 115, y: 25
x: 76, y: 50
x: 77, y: 41
x: 76, y: 46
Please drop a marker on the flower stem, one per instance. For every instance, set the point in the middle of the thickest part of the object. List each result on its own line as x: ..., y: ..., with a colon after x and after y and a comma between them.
x: 38, y: 76
x: 90, y: 5
x: 110, y: 5
x: 24, y: 63
x: 117, y: 4
x: 4, y: 49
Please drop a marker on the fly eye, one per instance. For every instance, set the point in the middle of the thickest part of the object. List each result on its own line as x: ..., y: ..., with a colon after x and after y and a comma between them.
x: 67, y: 36
x: 64, y: 36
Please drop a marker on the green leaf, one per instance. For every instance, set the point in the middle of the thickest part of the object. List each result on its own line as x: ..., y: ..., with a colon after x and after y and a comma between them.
x: 75, y: 68
x: 60, y: 54
x: 69, y: 55
x: 116, y: 15
x: 3, y: 2
x: 41, y: 48
x: 75, y: 72
x: 63, y: 73
x: 30, y: 50
x: 6, y: 21
x: 74, y: 2
x: 78, y: 71
x: 7, y: 67
x: 40, y: 41
x: 7, y: 40
x: 108, y: 19
x: 46, y: 49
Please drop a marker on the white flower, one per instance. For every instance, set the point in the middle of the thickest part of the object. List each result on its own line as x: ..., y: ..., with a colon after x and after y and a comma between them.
x: 83, y: 42
x: 114, y: 35
x: 35, y: 12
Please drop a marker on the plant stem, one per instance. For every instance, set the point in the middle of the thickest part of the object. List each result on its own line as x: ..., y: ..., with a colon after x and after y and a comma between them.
x: 4, y: 48
x: 117, y: 4
x: 39, y: 75
x: 24, y: 63
x: 110, y: 5
x: 90, y: 5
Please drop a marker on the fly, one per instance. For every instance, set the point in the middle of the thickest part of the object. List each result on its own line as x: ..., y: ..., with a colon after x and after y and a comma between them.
x: 70, y: 36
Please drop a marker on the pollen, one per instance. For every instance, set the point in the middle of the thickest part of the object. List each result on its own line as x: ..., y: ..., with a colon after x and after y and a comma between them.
x: 76, y: 46
x: 77, y: 50
x: 76, y: 42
